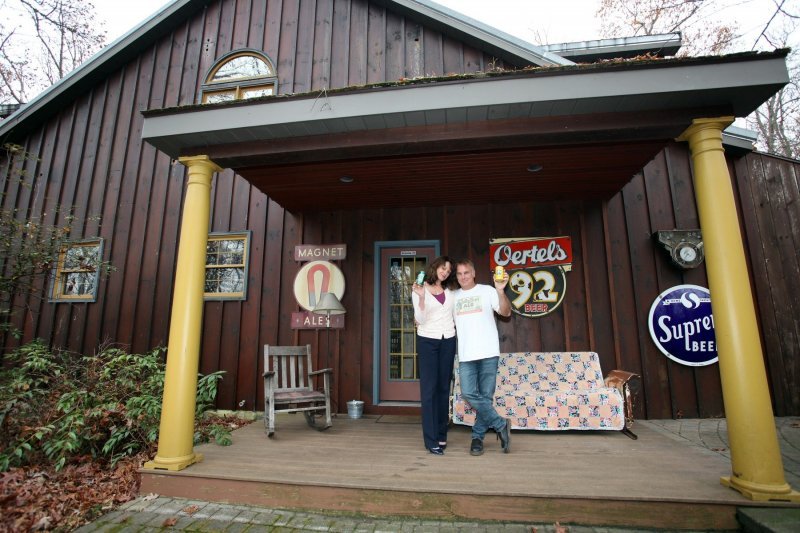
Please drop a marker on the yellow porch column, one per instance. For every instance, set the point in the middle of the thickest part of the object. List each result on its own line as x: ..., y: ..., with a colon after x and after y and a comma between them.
x: 176, y: 434
x: 757, y: 469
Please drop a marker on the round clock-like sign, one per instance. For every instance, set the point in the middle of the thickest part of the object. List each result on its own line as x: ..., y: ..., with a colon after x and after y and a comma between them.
x: 687, y: 253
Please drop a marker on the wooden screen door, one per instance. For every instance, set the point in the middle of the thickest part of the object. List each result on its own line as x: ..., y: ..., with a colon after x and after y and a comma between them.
x: 399, y: 375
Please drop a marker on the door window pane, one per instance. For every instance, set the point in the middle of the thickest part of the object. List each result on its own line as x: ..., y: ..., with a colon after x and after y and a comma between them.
x: 402, y: 272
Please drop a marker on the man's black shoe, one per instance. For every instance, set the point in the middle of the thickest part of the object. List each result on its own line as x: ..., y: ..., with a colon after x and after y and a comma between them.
x: 476, y: 448
x: 505, y: 436
x: 436, y: 451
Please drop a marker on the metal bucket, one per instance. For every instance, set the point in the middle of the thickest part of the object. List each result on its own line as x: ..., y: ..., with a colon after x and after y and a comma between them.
x: 355, y: 408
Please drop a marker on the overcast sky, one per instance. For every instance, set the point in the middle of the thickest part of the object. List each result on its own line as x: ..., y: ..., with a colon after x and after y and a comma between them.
x: 553, y: 20
x: 574, y: 18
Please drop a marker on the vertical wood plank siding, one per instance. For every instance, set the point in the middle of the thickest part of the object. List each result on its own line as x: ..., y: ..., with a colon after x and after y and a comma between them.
x: 91, y: 157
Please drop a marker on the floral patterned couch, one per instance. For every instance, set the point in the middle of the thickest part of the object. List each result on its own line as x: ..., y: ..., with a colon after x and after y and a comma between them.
x: 556, y: 391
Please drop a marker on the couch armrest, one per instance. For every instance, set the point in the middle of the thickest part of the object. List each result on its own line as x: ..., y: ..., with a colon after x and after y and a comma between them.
x: 618, y: 378
x: 624, y: 382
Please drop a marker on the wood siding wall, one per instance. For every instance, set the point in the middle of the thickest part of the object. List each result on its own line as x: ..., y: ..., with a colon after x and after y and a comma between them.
x: 91, y: 156
x: 769, y: 194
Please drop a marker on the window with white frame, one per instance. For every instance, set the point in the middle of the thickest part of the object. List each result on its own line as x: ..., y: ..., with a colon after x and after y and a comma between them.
x: 227, y: 256
x: 77, y: 271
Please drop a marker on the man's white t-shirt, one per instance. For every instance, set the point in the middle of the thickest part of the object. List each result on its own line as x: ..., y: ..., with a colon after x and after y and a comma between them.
x: 475, y: 322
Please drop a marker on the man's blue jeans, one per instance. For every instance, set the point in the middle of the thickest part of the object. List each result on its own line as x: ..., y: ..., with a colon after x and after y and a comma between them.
x: 478, y: 379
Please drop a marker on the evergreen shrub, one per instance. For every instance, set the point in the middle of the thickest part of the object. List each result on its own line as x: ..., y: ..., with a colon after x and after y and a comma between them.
x: 57, y: 406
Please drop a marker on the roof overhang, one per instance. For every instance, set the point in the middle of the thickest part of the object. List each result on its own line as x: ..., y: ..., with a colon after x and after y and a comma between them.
x: 624, y: 47
x: 597, y: 123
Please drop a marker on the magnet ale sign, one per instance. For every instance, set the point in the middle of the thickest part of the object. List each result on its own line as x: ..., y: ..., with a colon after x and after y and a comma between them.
x: 537, y: 272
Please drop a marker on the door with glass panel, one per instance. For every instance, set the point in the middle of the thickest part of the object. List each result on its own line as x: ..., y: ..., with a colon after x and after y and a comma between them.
x: 399, y: 374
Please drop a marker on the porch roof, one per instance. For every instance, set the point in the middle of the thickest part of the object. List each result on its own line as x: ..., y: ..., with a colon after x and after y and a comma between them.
x: 590, y: 128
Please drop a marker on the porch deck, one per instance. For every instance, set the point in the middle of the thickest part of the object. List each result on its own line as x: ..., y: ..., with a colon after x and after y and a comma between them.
x: 377, y: 466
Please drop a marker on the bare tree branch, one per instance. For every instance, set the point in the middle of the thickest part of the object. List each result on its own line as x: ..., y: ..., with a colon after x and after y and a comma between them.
x: 763, y: 33
x: 64, y: 37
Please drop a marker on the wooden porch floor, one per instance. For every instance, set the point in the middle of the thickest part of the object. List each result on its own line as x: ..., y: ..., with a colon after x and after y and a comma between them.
x: 377, y: 465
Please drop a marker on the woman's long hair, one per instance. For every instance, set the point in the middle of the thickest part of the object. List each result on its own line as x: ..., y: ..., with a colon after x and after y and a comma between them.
x: 430, y: 272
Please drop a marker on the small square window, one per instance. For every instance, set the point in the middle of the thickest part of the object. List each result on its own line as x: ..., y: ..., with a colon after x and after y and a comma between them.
x: 226, y: 266
x: 77, y: 272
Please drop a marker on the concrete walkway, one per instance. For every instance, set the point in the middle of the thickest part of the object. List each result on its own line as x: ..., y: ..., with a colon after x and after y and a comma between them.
x: 157, y: 513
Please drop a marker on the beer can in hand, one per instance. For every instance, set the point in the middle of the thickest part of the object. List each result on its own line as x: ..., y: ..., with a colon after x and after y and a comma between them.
x: 499, y: 273
x: 421, y: 277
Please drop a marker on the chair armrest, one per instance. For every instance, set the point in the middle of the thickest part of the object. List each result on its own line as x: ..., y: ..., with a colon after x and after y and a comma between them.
x: 269, y: 373
x: 323, y: 371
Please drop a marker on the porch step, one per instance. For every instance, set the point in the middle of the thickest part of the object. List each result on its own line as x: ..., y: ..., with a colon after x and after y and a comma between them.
x: 762, y: 520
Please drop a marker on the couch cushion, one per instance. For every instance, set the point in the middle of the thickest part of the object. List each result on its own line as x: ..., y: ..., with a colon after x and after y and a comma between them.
x: 549, y: 371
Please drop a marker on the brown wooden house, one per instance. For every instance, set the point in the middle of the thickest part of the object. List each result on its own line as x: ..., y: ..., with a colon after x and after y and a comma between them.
x: 399, y: 129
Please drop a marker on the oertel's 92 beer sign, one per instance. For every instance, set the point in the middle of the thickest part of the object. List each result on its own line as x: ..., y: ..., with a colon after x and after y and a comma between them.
x: 536, y: 272
x: 682, y: 326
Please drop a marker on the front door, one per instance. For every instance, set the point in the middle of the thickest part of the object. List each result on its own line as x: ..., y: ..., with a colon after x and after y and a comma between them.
x: 399, y: 265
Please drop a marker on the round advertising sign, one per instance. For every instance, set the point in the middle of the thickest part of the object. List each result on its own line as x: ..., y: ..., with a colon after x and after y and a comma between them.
x: 314, y: 279
x: 536, y: 291
x: 682, y: 326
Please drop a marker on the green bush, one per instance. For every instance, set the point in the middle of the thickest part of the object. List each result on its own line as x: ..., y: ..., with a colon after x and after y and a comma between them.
x: 56, y: 406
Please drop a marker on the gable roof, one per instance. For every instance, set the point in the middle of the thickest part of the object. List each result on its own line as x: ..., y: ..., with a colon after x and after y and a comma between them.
x: 506, y: 47
x: 96, y: 67
x: 475, y: 33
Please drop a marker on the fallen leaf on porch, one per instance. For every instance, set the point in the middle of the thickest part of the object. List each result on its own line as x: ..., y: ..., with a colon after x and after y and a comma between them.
x: 794, y: 425
x: 560, y: 529
x: 151, y: 496
x: 719, y: 449
x: 190, y: 509
x: 169, y: 522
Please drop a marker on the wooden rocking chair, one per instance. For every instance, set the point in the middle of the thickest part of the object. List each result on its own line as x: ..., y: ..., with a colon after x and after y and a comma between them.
x: 288, y: 387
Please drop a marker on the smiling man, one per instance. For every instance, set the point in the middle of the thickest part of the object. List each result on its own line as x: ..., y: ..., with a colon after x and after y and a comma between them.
x: 479, y: 350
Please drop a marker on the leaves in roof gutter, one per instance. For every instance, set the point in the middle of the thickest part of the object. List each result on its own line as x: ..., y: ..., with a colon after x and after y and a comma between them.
x: 621, y: 64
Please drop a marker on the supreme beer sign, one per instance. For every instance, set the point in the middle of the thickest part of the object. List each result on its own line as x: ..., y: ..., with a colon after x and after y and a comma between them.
x: 536, y: 269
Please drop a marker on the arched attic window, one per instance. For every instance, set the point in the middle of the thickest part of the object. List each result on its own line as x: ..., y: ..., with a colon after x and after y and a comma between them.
x: 239, y: 75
